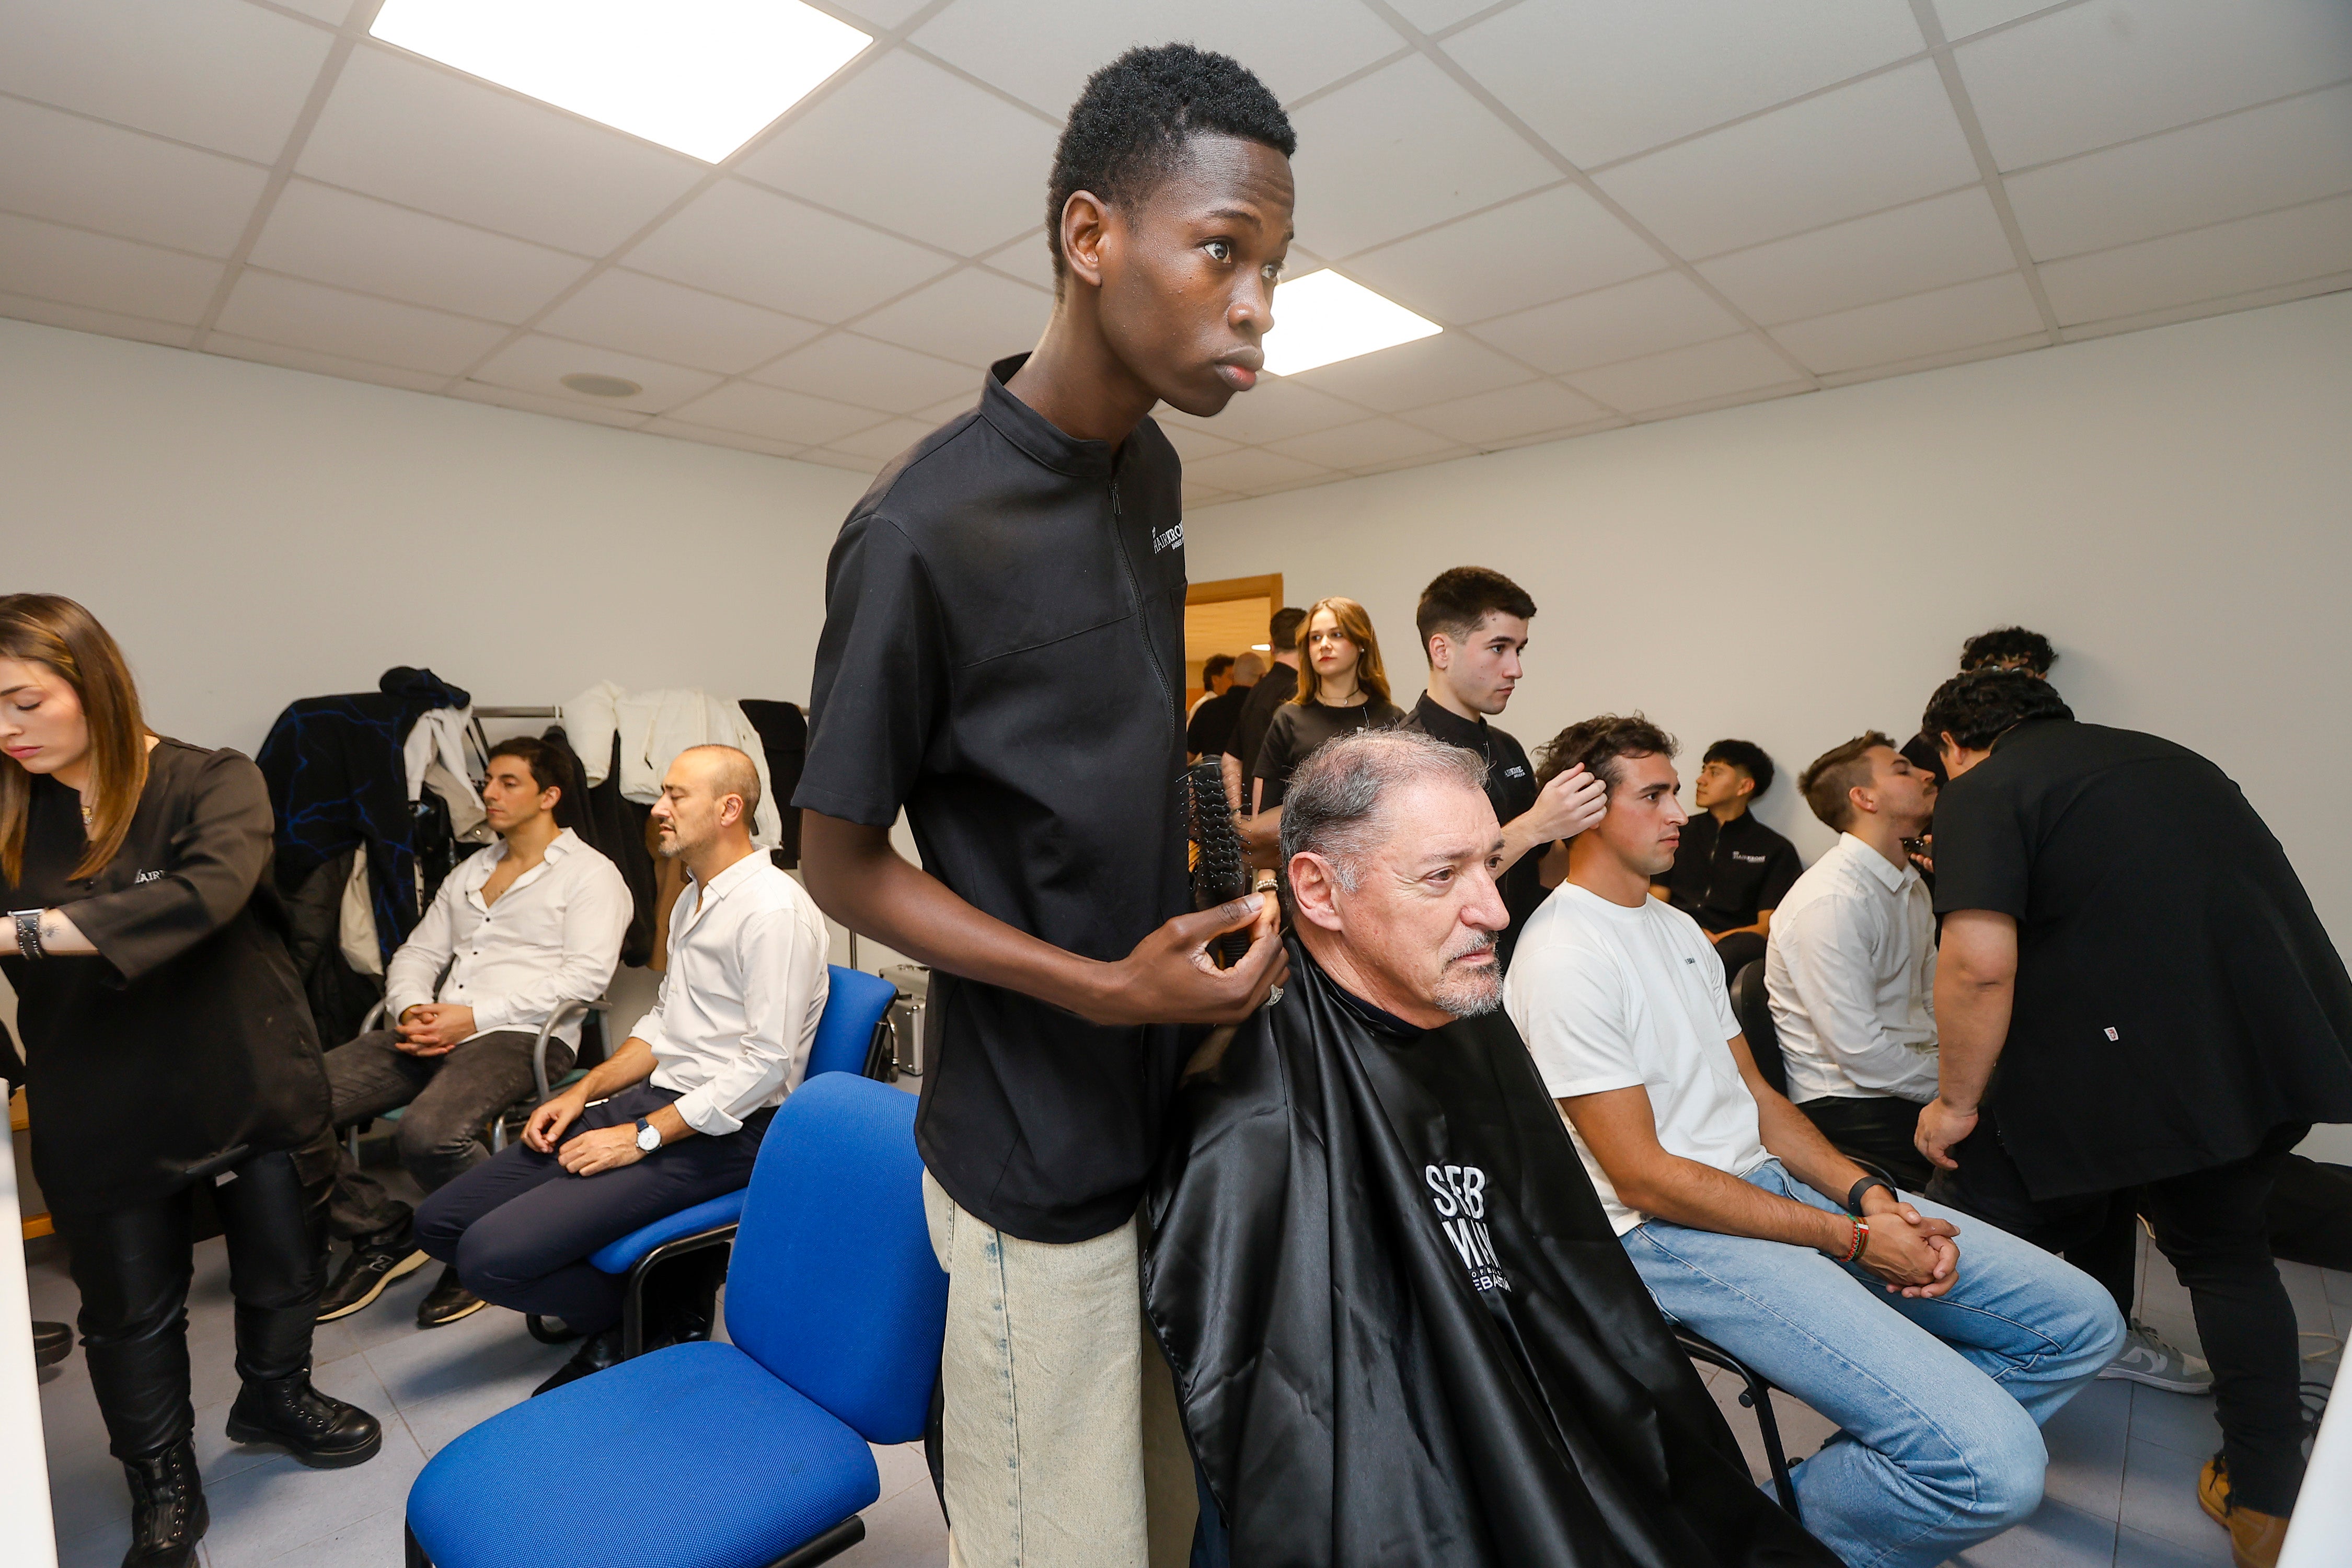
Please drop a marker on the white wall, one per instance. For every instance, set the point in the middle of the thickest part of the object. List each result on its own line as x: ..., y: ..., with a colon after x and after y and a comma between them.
x: 253, y: 535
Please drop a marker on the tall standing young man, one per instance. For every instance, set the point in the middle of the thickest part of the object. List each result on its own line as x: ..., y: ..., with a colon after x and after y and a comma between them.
x: 1001, y: 658
x: 1473, y: 627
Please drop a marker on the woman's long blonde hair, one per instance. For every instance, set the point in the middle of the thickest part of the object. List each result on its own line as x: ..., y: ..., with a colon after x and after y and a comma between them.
x: 1356, y: 627
x: 60, y: 636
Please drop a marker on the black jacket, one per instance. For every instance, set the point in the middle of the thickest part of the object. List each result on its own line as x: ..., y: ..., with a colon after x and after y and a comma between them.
x: 1402, y: 1328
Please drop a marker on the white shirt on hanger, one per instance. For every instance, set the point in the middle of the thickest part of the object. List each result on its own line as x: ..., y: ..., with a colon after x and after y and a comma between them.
x: 654, y: 727
x: 1849, y: 971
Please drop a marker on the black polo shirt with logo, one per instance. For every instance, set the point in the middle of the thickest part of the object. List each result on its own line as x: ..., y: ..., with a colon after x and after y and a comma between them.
x: 1511, y: 790
x: 2177, y: 997
x: 1003, y: 656
x: 1727, y: 873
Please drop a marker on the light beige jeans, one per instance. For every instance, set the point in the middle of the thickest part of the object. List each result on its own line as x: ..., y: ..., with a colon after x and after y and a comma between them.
x: 1046, y: 1386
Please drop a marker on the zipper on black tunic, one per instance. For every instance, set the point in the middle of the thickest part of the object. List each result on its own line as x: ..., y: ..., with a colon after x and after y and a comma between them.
x: 1135, y: 591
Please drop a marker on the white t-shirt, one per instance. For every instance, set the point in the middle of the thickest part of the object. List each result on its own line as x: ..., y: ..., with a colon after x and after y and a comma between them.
x: 1607, y: 997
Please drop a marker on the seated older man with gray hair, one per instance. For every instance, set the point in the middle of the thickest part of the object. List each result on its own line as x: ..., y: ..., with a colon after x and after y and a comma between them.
x: 1401, y: 1328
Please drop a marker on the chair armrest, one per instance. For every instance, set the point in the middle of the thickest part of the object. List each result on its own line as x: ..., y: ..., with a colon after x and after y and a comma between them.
x: 564, y: 1013
x: 374, y: 1018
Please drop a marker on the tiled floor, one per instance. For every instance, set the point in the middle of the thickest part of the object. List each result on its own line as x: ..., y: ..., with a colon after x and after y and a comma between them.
x: 2121, y: 1491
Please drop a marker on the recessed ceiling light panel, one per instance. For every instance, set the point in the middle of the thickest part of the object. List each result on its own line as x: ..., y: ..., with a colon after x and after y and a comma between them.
x: 588, y: 384
x: 700, y: 76
x: 1323, y: 317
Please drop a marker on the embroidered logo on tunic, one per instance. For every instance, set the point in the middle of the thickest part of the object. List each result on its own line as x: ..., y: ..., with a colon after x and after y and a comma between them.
x: 1168, y: 540
x: 147, y: 877
x: 1515, y: 772
x: 1751, y: 859
x: 1460, y: 1194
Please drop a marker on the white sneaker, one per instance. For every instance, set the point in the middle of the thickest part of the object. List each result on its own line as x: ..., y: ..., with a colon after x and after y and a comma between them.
x: 2145, y: 1358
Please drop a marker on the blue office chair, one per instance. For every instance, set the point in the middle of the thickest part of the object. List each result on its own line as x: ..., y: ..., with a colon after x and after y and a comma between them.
x: 854, y: 1034
x: 749, y: 1455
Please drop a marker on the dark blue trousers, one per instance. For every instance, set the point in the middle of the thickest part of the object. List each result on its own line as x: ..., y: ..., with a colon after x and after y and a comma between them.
x: 520, y: 1227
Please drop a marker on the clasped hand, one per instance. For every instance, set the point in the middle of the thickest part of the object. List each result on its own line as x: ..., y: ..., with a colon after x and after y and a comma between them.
x: 1916, y: 1254
x: 434, y: 1028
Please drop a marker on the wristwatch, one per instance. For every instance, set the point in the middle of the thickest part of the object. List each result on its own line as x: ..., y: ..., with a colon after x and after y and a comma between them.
x: 1853, y: 1194
x: 648, y: 1138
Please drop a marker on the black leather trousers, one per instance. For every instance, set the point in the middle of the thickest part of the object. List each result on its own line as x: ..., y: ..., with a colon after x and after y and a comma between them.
x: 132, y: 1266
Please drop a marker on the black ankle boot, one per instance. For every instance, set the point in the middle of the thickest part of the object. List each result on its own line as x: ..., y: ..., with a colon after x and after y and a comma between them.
x: 596, y: 1353
x: 316, y: 1429
x: 167, y: 1508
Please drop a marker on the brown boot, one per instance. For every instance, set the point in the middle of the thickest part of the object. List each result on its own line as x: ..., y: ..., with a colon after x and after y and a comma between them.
x: 2255, y: 1538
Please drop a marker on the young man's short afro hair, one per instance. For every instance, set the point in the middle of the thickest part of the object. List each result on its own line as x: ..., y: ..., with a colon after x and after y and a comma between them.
x: 2006, y: 645
x: 1977, y: 709
x: 1135, y: 115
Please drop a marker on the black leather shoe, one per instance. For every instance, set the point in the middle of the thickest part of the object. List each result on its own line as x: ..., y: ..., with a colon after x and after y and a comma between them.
x: 52, y: 1343
x: 596, y: 1353
x: 167, y: 1508
x: 375, y: 1262
x: 448, y: 1301
x: 316, y: 1429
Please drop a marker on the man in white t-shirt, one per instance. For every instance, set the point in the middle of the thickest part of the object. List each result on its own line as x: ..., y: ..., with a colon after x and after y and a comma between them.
x: 1751, y: 1230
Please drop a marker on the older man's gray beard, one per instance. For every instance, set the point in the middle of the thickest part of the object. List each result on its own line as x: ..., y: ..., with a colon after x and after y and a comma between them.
x: 1468, y: 993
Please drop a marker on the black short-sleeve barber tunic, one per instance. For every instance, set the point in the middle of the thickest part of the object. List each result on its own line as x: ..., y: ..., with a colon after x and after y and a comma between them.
x: 1004, y: 655
x: 188, y: 1033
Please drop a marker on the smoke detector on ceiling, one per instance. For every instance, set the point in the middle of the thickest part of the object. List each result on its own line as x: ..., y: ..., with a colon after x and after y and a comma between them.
x: 591, y: 385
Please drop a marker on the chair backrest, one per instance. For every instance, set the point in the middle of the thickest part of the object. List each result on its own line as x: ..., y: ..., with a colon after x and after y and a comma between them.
x: 854, y: 1002
x: 833, y: 1286
x: 1754, y: 1011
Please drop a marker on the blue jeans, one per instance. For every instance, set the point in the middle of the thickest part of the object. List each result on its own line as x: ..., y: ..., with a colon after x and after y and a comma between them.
x: 1940, y: 1402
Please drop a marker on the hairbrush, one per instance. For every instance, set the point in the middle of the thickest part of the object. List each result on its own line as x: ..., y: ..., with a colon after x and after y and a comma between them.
x: 1220, y: 875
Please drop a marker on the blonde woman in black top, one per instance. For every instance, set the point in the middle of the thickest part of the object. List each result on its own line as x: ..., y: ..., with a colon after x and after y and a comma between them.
x: 167, y: 1044
x: 1342, y: 687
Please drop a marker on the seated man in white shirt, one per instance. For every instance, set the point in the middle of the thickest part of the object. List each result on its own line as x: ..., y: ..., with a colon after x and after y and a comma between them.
x: 676, y: 1116
x: 521, y: 927
x: 1850, y: 968
x: 1937, y: 1352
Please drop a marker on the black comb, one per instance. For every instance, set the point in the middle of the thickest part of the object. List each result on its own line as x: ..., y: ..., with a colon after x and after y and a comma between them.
x: 1219, y: 873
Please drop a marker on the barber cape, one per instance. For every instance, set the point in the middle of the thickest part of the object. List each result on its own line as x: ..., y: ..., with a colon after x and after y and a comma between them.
x: 1402, y: 1329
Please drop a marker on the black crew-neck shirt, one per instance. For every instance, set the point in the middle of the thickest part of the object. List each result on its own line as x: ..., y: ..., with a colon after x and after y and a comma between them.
x: 1004, y: 655
x: 1274, y: 688
x: 1298, y: 732
x: 2177, y: 997
x: 1212, y: 721
x: 1511, y: 790
x: 1727, y: 873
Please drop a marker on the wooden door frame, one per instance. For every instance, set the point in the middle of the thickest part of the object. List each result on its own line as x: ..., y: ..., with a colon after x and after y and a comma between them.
x: 1268, y: 587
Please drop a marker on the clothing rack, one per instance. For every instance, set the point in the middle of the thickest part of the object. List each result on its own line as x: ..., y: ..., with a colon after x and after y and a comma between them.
x: 518, y: 713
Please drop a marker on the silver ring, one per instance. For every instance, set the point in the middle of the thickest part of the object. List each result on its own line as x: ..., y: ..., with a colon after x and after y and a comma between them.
x: 1274, y: 996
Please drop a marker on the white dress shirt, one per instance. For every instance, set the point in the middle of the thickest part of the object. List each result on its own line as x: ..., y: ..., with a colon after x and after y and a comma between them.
x: 554, y: 936
x: 654, y: 727
x: 1849, y: 970
x: 739, y: 1007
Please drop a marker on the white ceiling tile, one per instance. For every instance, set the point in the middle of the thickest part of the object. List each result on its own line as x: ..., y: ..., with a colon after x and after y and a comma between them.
x: 310, y: 316
x: 972, y: 316
x: 1029, y: 259
x: 637, y: 314
x: 1493, y: 416
x: 1198, y: 496
x: 559, y: 407
x: 2239, y: 164
x: 1192, y: 443
x: 2099, y: 72
x: 333, y: 236
x: 537, y: 365
x: 775, y: 413
x: 1253, y: 471
x: 1890, y: 139
x: 2203, y: 264
x: 1436, y: 15
x: 106, y: 323
x: 905, y: 144
x: 1987, y: 311
x: 751, y: 243
x: 322, y: 364
x: 79, y: 171
x: 947, y: 408
x: 219, y: 73
x: 328, y: 11
x: 1421, y: 461
x: 1664, y: 311
x: 881, y: 13
x: 872, y: 375
x: 1925, y: 245
x: 1042, y: 51
x: 1375, y: 441
x: 413, y: 133
x: 1414, y: 374
x: 662, y: 426
x: 1962, y: 18
x: 74, y: 268
x: 1554, y: 243
x: 831, y: 458
x: 1686, y: 375
x: 883, y: 442
x: 1403, y: 149
x: 1278, y: 406
x: 1606, y: 78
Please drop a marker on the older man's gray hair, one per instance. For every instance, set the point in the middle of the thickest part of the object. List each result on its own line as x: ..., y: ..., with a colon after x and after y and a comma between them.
x: 1333, y: 806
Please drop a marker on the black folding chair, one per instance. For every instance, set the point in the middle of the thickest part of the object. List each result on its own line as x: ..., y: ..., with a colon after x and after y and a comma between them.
x: 1756, y: 1396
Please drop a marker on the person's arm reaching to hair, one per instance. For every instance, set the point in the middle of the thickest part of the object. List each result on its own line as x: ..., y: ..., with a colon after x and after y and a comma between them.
x: 1976, y: 984
x: 1570, y: 803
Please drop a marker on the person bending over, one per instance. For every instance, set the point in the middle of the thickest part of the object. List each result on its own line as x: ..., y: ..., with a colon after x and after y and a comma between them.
x: 1731, y: 871
x: 1474, y: 629
x: 1002, y: 656
x: 675, y: 1116
x: 1211, y: 721
x: 1936, y: 1349
x: 1403, y: 1329
x: 1342, y: 687
x: 1850, y: 969
x: 520, y: 927
x: 1276, y: 686
x: 2129, y: 944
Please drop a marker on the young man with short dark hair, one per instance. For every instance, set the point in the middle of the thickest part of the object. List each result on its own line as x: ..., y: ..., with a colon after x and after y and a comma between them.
x: 1277, y: 686
x: 1002, y: 659
x: 1474, y: 629
x: 1732, y: 871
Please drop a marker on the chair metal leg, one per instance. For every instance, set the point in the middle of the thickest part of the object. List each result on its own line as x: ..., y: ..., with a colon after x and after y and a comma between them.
x: 415, y: 1552
x: 825, y: 1547
x: 1756, y: 1396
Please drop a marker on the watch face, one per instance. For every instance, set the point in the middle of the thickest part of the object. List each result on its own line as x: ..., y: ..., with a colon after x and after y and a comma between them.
x: 648, y: 1138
